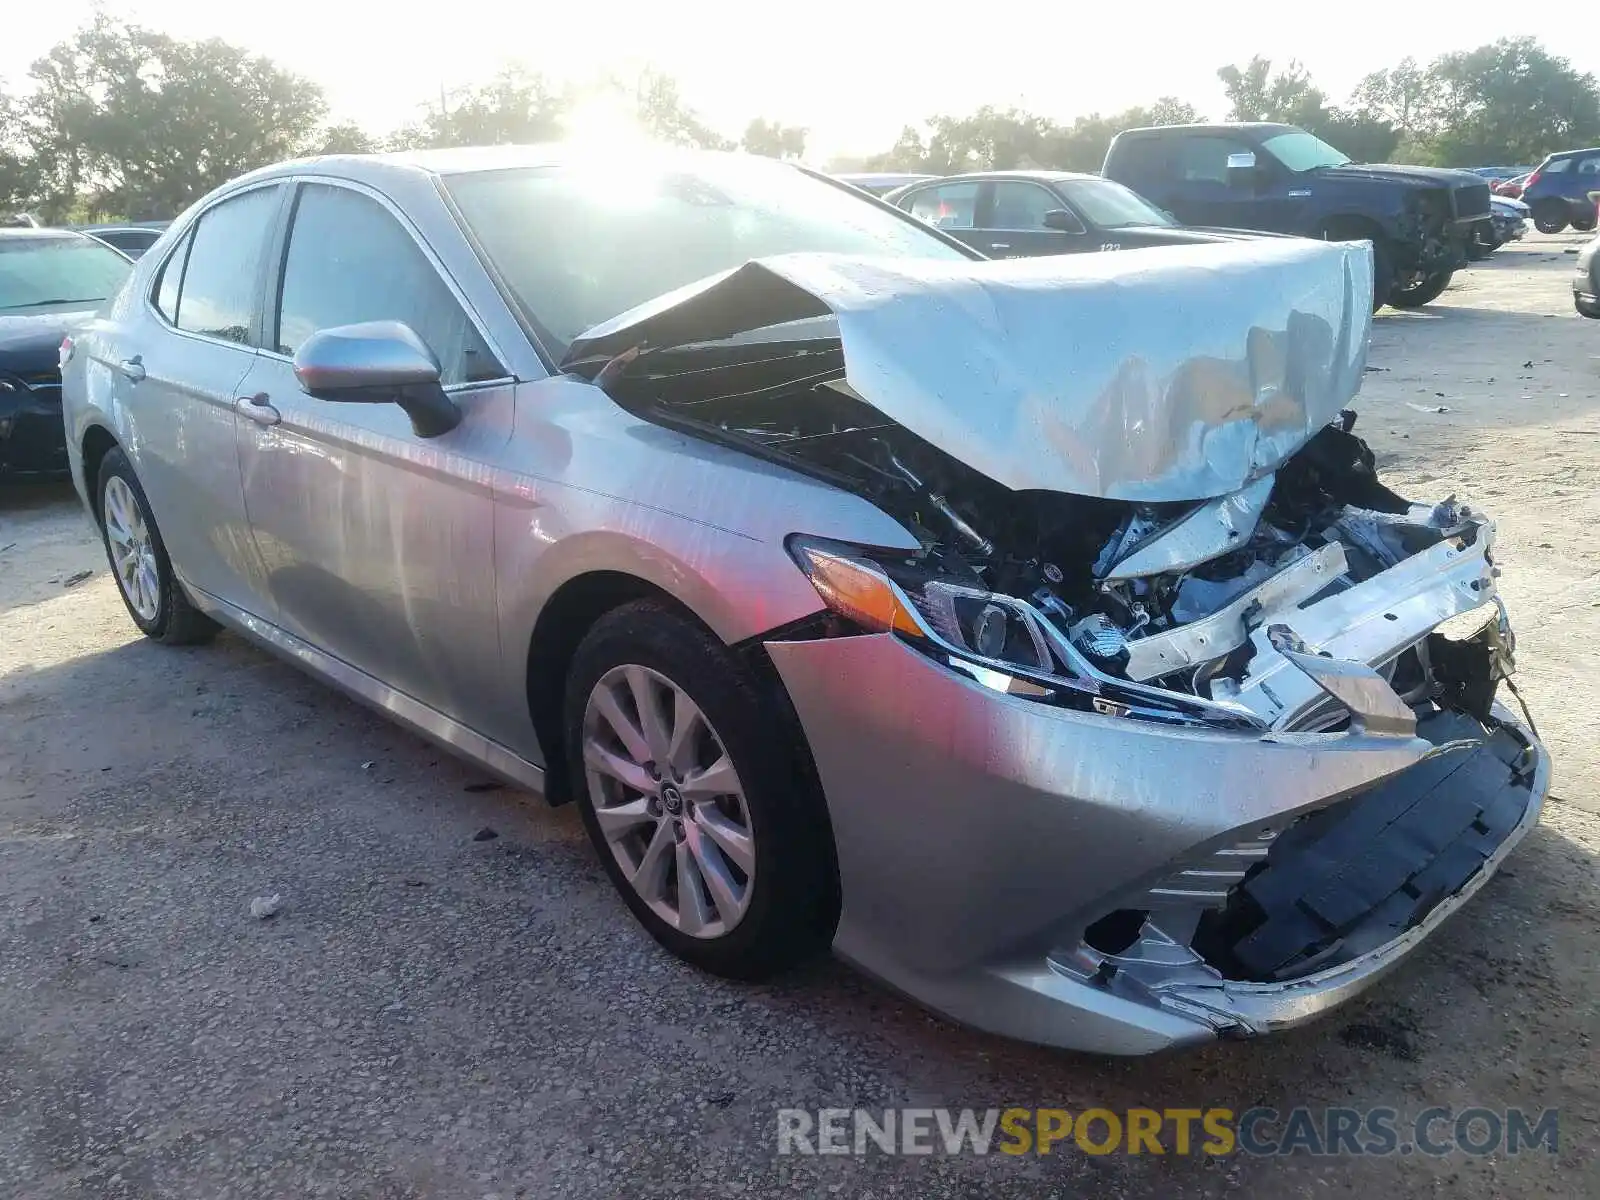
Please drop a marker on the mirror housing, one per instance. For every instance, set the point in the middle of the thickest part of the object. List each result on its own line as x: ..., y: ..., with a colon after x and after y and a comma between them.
x: 377, y: 362
x: 1062, y: 220
x: 1242, y: 170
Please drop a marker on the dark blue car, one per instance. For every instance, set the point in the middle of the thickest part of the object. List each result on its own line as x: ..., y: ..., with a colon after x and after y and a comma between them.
x: 1561, y: 191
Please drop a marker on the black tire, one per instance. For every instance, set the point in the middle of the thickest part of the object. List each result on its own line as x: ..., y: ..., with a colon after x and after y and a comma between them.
x: 1550, y: 216
x: 1586, y: 308
x: 793, y: 905
x: 176, y: 622
x: 1584, y: 224
x: 1424, y: 291
x: 1480, y: 247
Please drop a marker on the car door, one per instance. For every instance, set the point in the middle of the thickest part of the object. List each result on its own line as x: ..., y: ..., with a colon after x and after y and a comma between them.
x: 176, y: 371
x: 1015, y: 220
x: 1197, y: 190
x: 953, y: 207
x: 378, y: 543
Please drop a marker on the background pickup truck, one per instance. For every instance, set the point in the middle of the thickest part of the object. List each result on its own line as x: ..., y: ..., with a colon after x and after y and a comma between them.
x: 1282, y: 179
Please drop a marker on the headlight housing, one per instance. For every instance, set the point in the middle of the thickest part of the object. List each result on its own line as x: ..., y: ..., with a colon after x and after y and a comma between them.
x: 1001, y: 641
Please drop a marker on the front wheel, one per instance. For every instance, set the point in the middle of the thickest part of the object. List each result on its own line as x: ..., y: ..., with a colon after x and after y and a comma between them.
x: 1421, y: 289
x: 695, y: 799
x: 1480, y: 247
x: 139, y: 561
x: 1550, y: 216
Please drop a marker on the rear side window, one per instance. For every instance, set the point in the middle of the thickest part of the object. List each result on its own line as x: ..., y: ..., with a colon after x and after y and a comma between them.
x: 951, y: 206
x: 349, y: 260
x: 222, y: 275
x: 1138, y: 160
x: 1556, y: 166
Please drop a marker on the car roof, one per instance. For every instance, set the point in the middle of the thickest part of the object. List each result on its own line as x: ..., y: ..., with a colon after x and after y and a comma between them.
x: 1575, y: 153
x: 1261, y: 127
x: 1039, y: 176
x: 36, y: 234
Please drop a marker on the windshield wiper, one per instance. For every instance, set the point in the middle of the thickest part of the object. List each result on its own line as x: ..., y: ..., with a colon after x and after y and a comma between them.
x: 59, y: 300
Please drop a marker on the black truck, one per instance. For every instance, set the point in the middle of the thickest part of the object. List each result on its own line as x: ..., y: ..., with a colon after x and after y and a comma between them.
x: 1282, y: 179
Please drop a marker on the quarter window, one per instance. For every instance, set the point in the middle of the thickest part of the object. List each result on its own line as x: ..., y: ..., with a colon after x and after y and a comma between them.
x: 217, y: 296
x: 952, y: 206
x: 171, y: 278
x: 350, y: 261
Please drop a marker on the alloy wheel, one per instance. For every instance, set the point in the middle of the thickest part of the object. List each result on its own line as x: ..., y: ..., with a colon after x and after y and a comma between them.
x: 668, y: 801
x: 133, y: 554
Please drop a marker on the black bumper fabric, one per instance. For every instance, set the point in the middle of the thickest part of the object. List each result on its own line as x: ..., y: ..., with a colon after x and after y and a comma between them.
x: 33, y: 441
x: 1361, y: 872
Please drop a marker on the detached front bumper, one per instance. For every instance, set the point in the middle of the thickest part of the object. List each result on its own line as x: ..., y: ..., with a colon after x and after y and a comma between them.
x: 986, y: 840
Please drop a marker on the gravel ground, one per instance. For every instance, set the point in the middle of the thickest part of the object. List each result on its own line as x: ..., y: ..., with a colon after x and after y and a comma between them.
x: 434, y: 1015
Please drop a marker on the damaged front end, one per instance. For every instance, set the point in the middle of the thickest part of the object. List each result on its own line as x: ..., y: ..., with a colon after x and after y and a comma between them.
x: 1137, y: 496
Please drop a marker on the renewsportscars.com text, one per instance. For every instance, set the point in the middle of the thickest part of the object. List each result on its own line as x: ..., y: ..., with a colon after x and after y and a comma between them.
x: 1333, y: 1132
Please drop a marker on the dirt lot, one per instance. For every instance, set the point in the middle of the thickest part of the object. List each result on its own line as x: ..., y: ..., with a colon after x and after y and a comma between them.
x: 437, y: 1016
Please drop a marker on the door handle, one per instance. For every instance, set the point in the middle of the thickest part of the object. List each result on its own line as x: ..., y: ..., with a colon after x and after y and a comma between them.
x: 999, y: 245
x: 257, y: 408
x: 133, y: 368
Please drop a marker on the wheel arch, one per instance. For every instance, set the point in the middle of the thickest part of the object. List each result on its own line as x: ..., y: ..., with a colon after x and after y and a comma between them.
x: 98, y: 441
x: 563, y: 621
x: 1350, y: 227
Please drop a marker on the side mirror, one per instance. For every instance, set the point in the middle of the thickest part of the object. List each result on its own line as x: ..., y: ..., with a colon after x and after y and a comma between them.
x: 1062, y: 220
x: 1242, y: 170
x: 377, y: 362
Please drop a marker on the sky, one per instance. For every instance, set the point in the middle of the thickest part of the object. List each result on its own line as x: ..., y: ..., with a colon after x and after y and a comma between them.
x: 853, y: 72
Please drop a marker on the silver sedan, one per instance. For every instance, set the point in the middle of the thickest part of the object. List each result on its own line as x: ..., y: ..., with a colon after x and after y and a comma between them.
x: 1036, y: 634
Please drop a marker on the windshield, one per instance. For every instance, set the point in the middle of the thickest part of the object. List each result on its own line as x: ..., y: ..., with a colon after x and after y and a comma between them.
x: 1299, y: 151
x: 58, y: 271
x: 579, y: 244
x: 1110, y: 205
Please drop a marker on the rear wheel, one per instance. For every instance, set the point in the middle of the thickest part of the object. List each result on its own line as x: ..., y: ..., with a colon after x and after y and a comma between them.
x: 692, y: 796
x: 1584, y: 224
x: 1550, y: 216
x: 1421, y: 288
x: 138, y: 557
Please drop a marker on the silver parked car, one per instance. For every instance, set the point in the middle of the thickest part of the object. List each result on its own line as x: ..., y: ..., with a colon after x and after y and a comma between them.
x: 1036, y: 633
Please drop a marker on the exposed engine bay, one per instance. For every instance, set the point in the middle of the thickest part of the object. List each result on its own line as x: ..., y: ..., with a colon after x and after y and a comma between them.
x: 1161, y: 603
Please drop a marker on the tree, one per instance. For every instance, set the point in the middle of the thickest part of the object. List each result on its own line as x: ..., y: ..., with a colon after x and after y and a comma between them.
x: 773, y: 139
x: 18, y: 178
x: 141, y: 124
x: 346, y: 137
x: 663, y: 115
x: 1256, y: 94
x: 1511, y: 102
x: 515, y: 107
x: 1401, y: 96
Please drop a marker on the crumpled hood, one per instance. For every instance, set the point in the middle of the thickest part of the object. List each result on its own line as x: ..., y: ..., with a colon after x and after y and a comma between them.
x: 1402, y: 173
x: 1177, y: 373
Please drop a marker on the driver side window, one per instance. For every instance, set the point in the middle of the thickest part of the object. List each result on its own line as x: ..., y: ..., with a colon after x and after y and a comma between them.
x: 349, y: 260
x: 1205, y: 159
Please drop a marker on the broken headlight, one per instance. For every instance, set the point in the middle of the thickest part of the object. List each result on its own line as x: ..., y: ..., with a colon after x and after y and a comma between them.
x: 1002, y: 642
x: 953, y: 616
